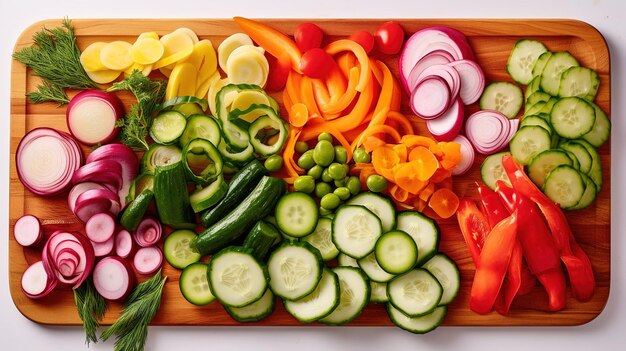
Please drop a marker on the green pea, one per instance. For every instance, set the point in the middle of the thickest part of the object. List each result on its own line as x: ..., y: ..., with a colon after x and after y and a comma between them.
x: 324, y: 153
x: 336, y: 171
x: 325, y: 136
x: 322, y: 189
x: 274, y: 163
x: 361, y: 156
x: 316, y: 171
x: 325, y: 212
x: 343, y: 193
x: 330, y: 201
x: 341, y: 182
x: 354, y: 185
x: 306, y: 160
x: 301, y: 147
x: 341, y: 155
x: 376, y: 183
x: 326, y: 176
x: 305, y: 183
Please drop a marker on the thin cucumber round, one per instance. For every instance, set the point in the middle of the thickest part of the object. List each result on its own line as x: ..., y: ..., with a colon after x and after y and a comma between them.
x: 601, y: 129
x: 347, y: 261
x: 534, y: 120
x: 535, y: 98
x: 355, y: 230
x: 595, y: 172
x: 167, y: 127
x: 528, y: 142
x: 581, y: 154
x: 353, y: 297
x: 201, y: 126
x: 533, y: 86
x: 396, y: 252
x: 415, y: 293
x: 523, y: 58
x: 177, y: 251
x: 321, y: 239
x: 579, y: 81
x: 589, y: 195
x: 369, y: 265
x: 564, y: 185
x: 542, y: 60
x: 417, y: 325
x: 378, y: 292
x: 492, y: 170
x: 295, y: 269
x: 424, y: 232
x: 557, y: 63
x: 380, y: 205
x: 296, y: 214
x: 158, y: 156
x: 504, y: 97
x: 572, y: 117
x: 255, y: 311
x: 447, y: 274
x: 544, y: 162
x: 194, y: 285
x: 318, y: 304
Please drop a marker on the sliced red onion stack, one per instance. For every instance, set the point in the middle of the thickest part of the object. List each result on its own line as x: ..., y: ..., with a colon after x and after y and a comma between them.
x: 490, y: 131
x: 68, y: 257
x: 113, y: 278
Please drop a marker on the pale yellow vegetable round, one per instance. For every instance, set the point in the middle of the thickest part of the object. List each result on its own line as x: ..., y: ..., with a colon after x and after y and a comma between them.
x: 247, y: 98
x: 116, y: 55
x: 182, y: 81
x: 147, y: 51
x: 247, y: 65
x: 192, y: 35
x: 90, y: 57
x: 174, y: 58
x: 145, y: 69
x: 202, y: 88
x: 104, y: 76
x: 175, y: 42
x: 229, y: 44
x: 214, y: 89
x: 151, y: 35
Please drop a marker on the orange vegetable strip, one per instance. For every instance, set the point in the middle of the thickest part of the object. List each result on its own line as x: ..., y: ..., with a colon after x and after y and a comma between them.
x: 287, y: 103
x: 399, y: 194
x: 427, y: 191
x: 272, y: 40
x: 376, y: 129
x: 336, y: 83
x: 396, y: 97
x: 406, y: 125
x: 346, y: 61
x: 307, y: 96
x: 291, y: 166
x: 293, y: 86
x: 451, y: 155
x: 412, y: 141
x: 402, y: 151
x: 405, y: 176
x: 366, y: 172
x: 386, y: 93
x: 371, y: 143
x: 377, y: 72
x: 298, y: 115
x: 320, y: 91
x: 346, y: 98
x: 340, y: 45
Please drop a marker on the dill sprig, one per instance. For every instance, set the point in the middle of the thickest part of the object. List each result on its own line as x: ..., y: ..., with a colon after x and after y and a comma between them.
x: 55, y: 58
x: 91, y: 308
x: 131, y: 328
x: 136, y: 123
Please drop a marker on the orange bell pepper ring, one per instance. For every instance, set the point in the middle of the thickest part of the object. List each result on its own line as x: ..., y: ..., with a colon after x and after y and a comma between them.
x: 340, y: 45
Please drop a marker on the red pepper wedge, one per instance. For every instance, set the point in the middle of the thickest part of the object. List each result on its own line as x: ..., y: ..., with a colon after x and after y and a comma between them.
x: 573, y: 256
x: 493, y: 264
x: 474, y: 226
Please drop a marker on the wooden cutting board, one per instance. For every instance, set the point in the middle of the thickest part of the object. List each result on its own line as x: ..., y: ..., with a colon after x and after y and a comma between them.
x: 492, y: 41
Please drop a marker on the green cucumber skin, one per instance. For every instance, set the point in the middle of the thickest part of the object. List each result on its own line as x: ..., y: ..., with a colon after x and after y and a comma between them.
x: 257, y: 205
x: 241, y: 184
x: 134, y: 212
x: 172, y: 197
x: 261, y: 238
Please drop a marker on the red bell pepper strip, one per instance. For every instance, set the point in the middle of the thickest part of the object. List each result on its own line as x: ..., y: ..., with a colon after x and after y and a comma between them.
x: 575, y: 259
x: 474, y: 226
x: 270, y: 39
x: 540, y: 252
x: 493, y: 264
x: 492, y: 205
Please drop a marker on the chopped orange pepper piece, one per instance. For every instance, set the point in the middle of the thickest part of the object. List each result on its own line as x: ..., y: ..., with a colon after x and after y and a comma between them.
x: 427, y: 191
x: 436, y: 150
x: 398, y: 193
x: 426, y: 163
x: 451, y: 154
x: 401, y: 119
x: 402, y: 151
x: 272, y: 40
x: 412, y: 141
x: 444, y: 202
x: 440, y: 175
x: 340, y: 45
x: 419, y: 204
x: 406, y: 177
x: 372, y: 142
x: 384, y: 159
x: 298, y: 114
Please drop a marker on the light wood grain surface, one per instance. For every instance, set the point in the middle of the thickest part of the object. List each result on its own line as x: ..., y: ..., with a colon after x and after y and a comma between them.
x: 491, y: 40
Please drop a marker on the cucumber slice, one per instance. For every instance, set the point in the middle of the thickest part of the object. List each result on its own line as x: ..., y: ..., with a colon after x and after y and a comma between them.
x: 548, y: 106
x: 295, y: 269
x: 544, y: 162
x: 424, y: 232
x: 210, y: 195
x: 523, y: 58
x: 202, y: 161
x: 447, y: 274
x: 236, y: 277
x: 369, y: 265
x: 565, y: 186
x: 201, y: 126
x: 380, y: 205
x: 582, y: 82
x: 194, y: 285
x: 575, y: 162
x: 378, y: 292
x: 158, y: 156
x: 535, y: 120
x: 533, y: 86
x: 177, y: 251
x: 318, y: 304
x: 396, y: 252
x: 417, y: 325
x: 347, y: 261
x: 589, y: 195
x: 167, y: 127
x: 255, y: 311
x: 415, y: 293
x: 261, y: 125
x: 353, y: 296
x: 542, y: 60
x: 581, y: 154
x: 355, y: 230
x: 236, y: 158
x: 558, y: 63
x: 261, y: 238
x: 595, y: 172
x: 504, y: 97
x: 321, y: 239
x: 572, y: 117
x: 492, y: 170
x: 535, y: 98
x: 601, y: 129
x: 528, y: 142
x: 296, y: 214
x: 534, y: 109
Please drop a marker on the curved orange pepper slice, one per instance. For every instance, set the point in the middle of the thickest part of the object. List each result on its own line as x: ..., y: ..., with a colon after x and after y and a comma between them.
x: 412, y: 141
x: 346, y: 61
x: 292, y: 168
x: 426, y: 163
x: 406, y: 125
x: 406, y: 177
x: 398, y: 193
x: 444, y: 202
x: 383, y: 160
x: 451, y: 155
x: 402, y: 152
x: 307, y: 96
x: 342, y: 103
x: 340, y: 45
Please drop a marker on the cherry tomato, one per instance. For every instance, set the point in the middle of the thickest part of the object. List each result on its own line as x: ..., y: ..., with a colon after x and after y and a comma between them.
x: 365, y: 39
x: 308, y: 36
x: 278, y: 71
x: 316, y: 63
x: 389, y: 38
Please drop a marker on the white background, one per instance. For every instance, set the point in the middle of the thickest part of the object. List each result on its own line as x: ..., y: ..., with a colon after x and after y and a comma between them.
x: 607, y: 332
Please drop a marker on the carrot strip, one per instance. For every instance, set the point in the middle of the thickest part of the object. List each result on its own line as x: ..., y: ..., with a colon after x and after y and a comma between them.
x: 386, y: 93
x: 396, y: 98
x: 306, y: 92
x: 293, y: 87
x: 320, y: 91
x: 412, y: 141
x: 298, y: 115
x: 340, y: 45
x: 291, y: 166
x: 376, y: 129
x: 376, y: 71
x: 286, y: 102
x: 345, y: 99
x: 372, y: 143
x: 406, y: 125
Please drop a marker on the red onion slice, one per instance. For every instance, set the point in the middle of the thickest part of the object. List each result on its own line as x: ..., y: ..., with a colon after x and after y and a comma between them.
x: 472, y: 80
x: 100, y: 227
x: 106, y: 172
x: 127, y: 159
x: 489, y: 131
x: 449, y: 74
x: 113, y: 278
x: 105, y: 248
x: 430, y: 98
x: 467, y: 155
x: 448, y: 126
x: 79, y: 189
x: 124, y: 244
x: 148, y: 260
x: 96, y: 201
x: 36, y: 283
x: 148, y: 232
x: 27, y: 231
x: 63, y: 248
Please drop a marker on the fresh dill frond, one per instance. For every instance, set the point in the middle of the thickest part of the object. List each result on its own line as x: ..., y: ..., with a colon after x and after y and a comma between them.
x: 91, y: 308
x: 136, y: 123
x: 131, y: 328
x: 48, y: 92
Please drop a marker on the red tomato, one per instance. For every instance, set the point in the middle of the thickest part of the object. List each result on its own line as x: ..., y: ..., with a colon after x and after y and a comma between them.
x: 308, y: 36
x: 389, y: 38
x: 316, y: 63
x: 278, y: 72
x: 365, y: 39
